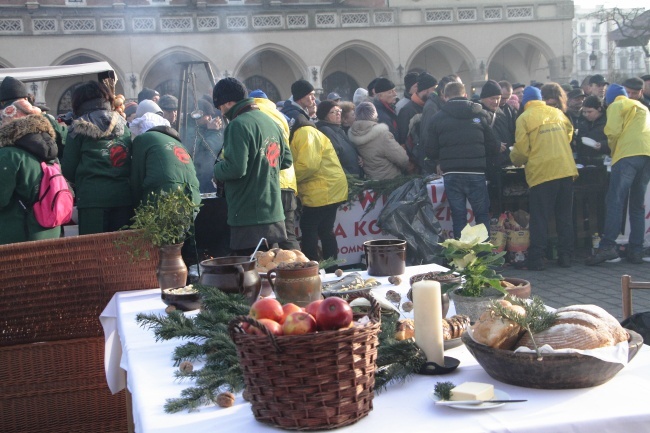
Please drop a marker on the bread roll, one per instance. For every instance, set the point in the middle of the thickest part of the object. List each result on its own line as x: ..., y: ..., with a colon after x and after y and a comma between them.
x: 285, y: 256
x: 405, y: 329
x: 581, y: 327
x: 265, y: 258
x: 496, y: 331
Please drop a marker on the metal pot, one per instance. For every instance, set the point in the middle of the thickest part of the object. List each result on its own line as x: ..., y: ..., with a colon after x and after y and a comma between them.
x: 234, y: 274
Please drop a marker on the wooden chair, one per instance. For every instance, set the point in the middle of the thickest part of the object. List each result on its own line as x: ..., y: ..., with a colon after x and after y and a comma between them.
x: 627, y: 285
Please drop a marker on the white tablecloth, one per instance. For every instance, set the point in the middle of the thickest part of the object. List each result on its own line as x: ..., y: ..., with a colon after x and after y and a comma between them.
x: 621, y: 405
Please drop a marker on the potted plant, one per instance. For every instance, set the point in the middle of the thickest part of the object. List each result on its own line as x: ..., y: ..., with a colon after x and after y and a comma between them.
x: 166, y: 220
x: 473, y: 258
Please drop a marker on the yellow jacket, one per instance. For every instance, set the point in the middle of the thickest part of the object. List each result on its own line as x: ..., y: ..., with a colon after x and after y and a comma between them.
x: 288, y: 175
x: 321, y: 180
x: 627, y: 128
x: 542, y: 138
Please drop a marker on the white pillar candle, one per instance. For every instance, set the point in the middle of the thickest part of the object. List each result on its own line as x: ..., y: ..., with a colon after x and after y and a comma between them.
x: 427, y: 306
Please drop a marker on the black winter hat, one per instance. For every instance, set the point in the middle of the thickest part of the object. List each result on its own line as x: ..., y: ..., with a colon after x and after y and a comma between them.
x: 300, y: 89
x: 324, y: 108
x: 228, y: 89
x: 426, y: 81
x: 490, y: 88
x: 12, y: 89
x: 147, y: 93
x: 168, y: 102
x: 410, y: 79
x: 383, y: 85
x: 633, y: 83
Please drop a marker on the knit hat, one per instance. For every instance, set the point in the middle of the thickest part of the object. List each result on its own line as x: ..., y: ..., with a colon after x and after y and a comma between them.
x: 517, y: 85
x: 576, y: 93
x: 168, y: 102
x: 633, y: 83
x: 147, y: 93
x: 258, y: 94
x: 645, y: 77
x: 613, y: 92
x: 366, y: 111
x: 18, y: 109
x: 228, y: 89
x: 324, y: 108
x: 426, y: 81
x: 490, y: 88
x: 410, y: 79
x: 147, y: 106
x: 130, y: 108
x: 383, y: 85
x: 300, y: 89
x: 360, y: 95
x: 371, y: 85
x: 146, y: 122
x: 207, y: 108
x: 11, y: 89
x: 531, y: 93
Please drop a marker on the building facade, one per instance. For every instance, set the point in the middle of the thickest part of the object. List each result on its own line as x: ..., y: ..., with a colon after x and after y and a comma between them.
x: 338, y: 45
x: 595, y: 53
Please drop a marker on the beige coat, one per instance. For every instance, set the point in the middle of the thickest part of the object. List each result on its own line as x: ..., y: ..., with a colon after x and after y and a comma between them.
x: 383, y: 157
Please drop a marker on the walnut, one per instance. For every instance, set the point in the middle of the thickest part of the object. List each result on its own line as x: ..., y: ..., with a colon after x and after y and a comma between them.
x: 393, y: 296
x: 186, y: 367
x: 169, y: 309
x: 395, y: 280
x: 407, y: 306
x: 225, y: 399
x: 338, y: 272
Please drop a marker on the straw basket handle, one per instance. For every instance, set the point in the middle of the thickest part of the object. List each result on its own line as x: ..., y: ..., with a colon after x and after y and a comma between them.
x: 235, y: 325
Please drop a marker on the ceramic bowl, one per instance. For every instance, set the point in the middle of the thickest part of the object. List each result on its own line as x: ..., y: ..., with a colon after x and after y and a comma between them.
x: 553, y: 371
x: 183, y: 302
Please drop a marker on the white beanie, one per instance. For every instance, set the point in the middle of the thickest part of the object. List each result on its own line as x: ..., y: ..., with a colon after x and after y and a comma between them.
x: 360, y: 95
x: 147, y: 106
x: 142, y: 124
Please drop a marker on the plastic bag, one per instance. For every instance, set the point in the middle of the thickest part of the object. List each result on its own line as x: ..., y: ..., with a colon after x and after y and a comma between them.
x: 640, y: 323
x: 408, y: 214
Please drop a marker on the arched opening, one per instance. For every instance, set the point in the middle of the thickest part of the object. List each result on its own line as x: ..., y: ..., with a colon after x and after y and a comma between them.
x: 520, y: 59
x: 278, y: 67
x: 354, y: 65
x: 257, y: 82
x: 443, y: 57
x: 341, y: 83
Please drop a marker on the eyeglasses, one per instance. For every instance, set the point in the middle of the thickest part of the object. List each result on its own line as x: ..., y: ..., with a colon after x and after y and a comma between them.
x: 335, y: 112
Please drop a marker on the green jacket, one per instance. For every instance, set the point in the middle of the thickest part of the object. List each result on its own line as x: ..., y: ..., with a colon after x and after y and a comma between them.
x: 161, y: 163
x: 627, y: 128
x: 97, y: 160
x: 21, y: 175
x: 254, y: 152
x: 542, y: 142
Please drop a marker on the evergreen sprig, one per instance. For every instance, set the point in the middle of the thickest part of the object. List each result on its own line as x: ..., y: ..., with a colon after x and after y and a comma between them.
x: 536, y: 319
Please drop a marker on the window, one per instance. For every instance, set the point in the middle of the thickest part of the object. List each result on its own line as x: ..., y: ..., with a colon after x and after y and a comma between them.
x: 583, y: 45
x: 623, y: 61
x: 582, y: 27
x: 595, y: 44
x: 583, y: 64
x: 595, y: 28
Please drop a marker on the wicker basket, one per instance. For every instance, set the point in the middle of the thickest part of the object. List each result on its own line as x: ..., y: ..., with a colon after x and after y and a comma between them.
x: 309, y: 382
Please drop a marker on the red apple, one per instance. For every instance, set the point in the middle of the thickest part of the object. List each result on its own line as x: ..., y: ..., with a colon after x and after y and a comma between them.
x: 274, y: 327
x: 312, y: 308
x: 299, y: 323
x: 334, y: 313
x: 266, y: 308
x: 288, y: 309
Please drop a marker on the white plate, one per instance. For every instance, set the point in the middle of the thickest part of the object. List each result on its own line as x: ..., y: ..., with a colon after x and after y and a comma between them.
x: 579, y: 166
x: 498, y: 395
x: 589, y: 142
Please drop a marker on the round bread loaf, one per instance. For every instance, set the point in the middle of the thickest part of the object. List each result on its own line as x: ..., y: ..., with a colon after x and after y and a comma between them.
x: 618, y: 333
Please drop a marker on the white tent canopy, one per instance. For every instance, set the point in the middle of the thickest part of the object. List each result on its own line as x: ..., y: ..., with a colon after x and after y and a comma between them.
x: 41, y: 73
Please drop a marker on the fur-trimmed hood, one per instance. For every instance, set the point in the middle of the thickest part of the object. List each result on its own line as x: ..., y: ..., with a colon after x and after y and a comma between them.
x: 98, y: 124
x: 33, y: 133
x: 364, y: 131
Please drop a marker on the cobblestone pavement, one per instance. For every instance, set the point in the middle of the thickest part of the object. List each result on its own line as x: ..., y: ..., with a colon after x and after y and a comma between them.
x: 581, y: 284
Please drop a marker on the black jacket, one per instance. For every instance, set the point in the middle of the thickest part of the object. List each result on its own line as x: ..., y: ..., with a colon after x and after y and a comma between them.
x: 345, y: 150
x: 431, y: 107
x: 461, y: 137
x: 596, y: 131
x: 404, y: 118
x: 388, y: 116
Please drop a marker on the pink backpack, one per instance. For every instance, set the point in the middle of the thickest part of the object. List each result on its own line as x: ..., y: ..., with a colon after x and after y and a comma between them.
x: 55, y: 199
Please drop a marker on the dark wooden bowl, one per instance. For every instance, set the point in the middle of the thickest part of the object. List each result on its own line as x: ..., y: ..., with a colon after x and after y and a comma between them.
x: 183, y: 302
x: 554, y: 371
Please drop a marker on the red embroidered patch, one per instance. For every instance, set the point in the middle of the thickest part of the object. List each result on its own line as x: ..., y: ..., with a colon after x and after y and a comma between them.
x: 273, y: 154
x: 182, y: 155
x: 118, y: 155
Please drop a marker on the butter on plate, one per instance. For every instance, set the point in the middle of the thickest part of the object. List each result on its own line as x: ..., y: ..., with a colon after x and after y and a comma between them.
x: 472, y: 391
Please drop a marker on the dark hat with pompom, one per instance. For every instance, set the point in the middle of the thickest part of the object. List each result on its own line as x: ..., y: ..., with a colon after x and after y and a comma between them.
x: 12, y: 89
